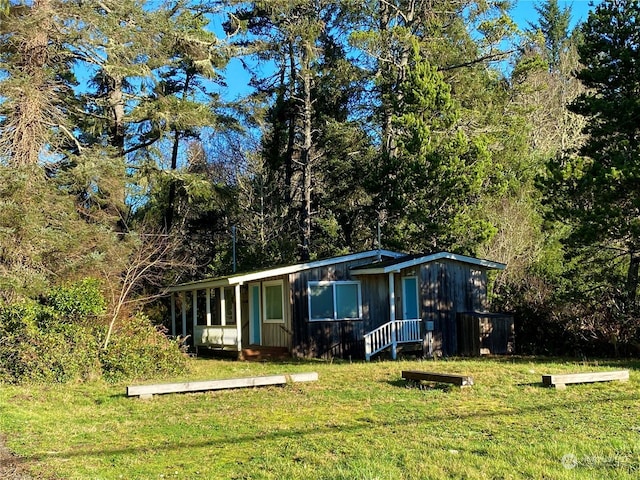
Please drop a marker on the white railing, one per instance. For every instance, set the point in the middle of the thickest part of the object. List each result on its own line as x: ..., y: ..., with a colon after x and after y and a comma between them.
x: 390, y: 335
x: 216, y: 335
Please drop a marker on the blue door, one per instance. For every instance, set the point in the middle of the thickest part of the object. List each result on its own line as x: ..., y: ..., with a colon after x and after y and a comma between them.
x: 254, y: 314
x: 410, y: 298
x: 410, y: 309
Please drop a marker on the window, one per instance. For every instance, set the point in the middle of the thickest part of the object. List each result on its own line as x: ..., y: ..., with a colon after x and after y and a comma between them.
x: 229, y: 306
x: 273, y: 298
x: 201, y: 307
x: 334, y: 301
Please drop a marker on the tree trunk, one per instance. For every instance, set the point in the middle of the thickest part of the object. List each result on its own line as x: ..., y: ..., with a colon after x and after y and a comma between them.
x: 306, y: 155
x: 171, y: 201
x: 386, y: 90
x: 118, y: 201
x: 393, y: 73
x: 33, y: 109
x: 169, y: 213
x: 116, y: 105
x: 290, y: 190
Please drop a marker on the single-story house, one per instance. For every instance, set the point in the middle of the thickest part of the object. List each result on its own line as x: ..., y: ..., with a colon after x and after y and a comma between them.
x: 350, y: 306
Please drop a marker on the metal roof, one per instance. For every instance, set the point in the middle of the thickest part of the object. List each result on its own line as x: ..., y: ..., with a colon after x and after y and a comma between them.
x: 239, y: 279
x: 407, y: 261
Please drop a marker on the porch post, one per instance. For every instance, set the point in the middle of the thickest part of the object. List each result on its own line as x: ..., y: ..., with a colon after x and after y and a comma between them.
x: 194, y: 317
x: 184, y: 313
x: 223, y: 308
x: 238, y: 308
x: 173, y: 314
x: 208, y: 307
x: 392, y: 315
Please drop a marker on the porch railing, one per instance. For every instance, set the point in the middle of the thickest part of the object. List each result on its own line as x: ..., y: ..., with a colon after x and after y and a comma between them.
x: 216, y: 335
x: 392, y: 334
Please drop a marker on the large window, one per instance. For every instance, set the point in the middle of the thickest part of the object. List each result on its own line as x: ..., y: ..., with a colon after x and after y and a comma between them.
x: 334, y: 301
x: 273, y: 298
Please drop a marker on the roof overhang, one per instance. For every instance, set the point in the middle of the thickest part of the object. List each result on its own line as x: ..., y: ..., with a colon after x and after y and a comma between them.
x: 414, y: 261
x: 279, y: 271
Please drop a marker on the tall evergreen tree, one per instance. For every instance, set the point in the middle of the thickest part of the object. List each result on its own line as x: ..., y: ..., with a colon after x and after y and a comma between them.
x: 308, y: 100
x: 553, y: 23
x: 597, y: 193
x: 34, y: 69
x: 438, y: 175
x: 388, y: 34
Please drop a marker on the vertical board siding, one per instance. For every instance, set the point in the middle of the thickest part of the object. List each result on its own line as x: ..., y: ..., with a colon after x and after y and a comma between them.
x: 375, y: 299
x: 449, y: 287
x: 341, y: 338
x: 485, y: 334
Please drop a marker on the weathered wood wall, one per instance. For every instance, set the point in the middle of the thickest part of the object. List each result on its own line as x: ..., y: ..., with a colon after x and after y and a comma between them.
x: 375, y: 300
x: 446, y: 288
x: 326, y: 339
x: 244, y: 300
x: 449, y: 287
x: 485, y: 334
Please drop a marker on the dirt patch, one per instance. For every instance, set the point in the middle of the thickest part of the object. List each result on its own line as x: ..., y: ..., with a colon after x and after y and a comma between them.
x: 10, y: 465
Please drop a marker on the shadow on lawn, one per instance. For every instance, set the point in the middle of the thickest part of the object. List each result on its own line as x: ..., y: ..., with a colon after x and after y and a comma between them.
x: 619, y: 363
x: 401, y: 383
x: 359, y: 424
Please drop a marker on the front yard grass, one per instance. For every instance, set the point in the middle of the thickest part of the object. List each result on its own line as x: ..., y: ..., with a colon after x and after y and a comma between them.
x: 359, y: 421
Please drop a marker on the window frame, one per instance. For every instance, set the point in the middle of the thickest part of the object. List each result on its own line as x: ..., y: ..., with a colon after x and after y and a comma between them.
x: 265, y: 310
x: 334, y: 285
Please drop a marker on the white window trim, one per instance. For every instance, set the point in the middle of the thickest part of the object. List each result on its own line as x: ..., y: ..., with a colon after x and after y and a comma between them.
x: 333, y: 284
x: 264, y: 301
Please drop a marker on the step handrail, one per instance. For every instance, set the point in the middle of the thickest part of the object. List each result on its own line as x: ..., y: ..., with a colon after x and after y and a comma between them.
x: 391, y: 334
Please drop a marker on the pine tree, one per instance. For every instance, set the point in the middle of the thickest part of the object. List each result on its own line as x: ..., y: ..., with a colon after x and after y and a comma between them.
x: 597, y: 192
x: 309, y: 97
x: 438, y: 175
x: 34, y: 69
x: 553, y: 23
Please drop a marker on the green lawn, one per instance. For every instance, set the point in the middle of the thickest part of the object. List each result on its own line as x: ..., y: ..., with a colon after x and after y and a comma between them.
x: 359, y: 421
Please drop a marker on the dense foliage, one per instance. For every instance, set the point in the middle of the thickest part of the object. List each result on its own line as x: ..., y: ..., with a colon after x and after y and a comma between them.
x: 59, y: 338
x: 130, y: 148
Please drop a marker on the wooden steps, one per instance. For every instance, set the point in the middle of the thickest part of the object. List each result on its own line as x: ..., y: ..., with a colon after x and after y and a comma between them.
x: 259, y: 352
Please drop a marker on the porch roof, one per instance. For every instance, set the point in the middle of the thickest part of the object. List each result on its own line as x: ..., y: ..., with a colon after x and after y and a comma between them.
x: 407, y: 261
x: 239, y: 279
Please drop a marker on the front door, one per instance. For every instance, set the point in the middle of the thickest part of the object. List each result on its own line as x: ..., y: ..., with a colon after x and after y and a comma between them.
x: 410, y: 309
x: 255, y: 318
x: 410, y: 301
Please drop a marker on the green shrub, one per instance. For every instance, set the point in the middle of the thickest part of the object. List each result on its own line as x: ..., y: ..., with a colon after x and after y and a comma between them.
x: 35, y: 345
x: 138, y: 349
x: 59, y: 340
x: 78, y: 301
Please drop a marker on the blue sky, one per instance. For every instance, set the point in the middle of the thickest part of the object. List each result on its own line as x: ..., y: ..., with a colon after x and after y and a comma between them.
x: 524, y: 10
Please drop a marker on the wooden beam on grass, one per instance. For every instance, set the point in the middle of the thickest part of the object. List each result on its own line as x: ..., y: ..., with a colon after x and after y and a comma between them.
x: 148, y: 391
x: 561, y: 381
x: 459, y: 380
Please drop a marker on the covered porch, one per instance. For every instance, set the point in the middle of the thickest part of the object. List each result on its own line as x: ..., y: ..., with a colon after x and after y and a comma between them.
x: 208, y: 314
x: 234, y: 314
